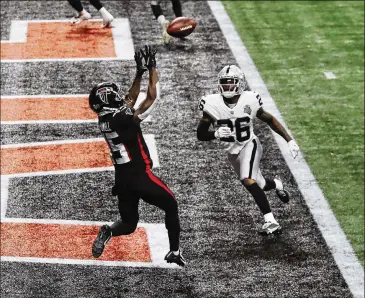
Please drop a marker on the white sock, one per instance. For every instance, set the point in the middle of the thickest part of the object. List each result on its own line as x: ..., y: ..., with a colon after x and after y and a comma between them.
x: 161, y: 19
x: 269, y: 217
x: 104, y: 13
x: 176, y: 253
x: 279, y: 184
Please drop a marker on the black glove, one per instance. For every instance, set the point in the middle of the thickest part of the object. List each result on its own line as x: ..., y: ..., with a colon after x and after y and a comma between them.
x: 149, y: 57
x: 141, y: 68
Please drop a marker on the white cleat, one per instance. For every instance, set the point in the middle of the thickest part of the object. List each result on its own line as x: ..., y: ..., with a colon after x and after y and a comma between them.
x: 165, y: 36
x: 107, y: 20
x: 84, y: 16
x: 270, y: 227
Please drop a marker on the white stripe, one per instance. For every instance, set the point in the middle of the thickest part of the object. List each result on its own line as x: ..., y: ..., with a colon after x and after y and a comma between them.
x: 4, y: 195
x: 51, y: 143
x: 60, y: 172
x: 329, y: 75
x: 156, y: 235
x: 123, y: 41
x: 60, y: 60
x: 334, y: 236
x: 42, y: 96
x: 18, y: 31
x: 29, y: 122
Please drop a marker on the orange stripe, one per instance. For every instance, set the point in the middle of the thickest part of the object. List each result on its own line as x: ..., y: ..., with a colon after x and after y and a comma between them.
x: 60, y: 108
x: 70, y: 242
x: 54, y: 157
x: 62, y: 40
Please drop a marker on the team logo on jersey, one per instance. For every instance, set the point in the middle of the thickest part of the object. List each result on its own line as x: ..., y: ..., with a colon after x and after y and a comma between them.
x: 247, y: 109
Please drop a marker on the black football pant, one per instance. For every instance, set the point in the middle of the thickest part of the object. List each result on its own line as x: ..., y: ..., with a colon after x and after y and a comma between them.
x: 76, y: 4
x: 133, y: 186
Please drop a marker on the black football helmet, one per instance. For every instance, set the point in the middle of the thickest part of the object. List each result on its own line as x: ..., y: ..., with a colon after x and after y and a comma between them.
x: 106, y: 95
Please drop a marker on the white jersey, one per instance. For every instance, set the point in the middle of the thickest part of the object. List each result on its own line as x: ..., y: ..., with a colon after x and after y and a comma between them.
x: 239, y: 118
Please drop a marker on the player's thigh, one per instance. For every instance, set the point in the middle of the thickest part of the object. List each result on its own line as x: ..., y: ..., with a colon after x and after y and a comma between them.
x: 157, y: 193
x: 128, y: 206
x: 249, y: 160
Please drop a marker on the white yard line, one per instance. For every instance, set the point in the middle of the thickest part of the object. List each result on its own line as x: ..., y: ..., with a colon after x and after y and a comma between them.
x: 334, y: 236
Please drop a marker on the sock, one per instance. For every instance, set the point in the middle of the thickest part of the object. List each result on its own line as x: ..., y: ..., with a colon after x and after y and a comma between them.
x: 83, y: 12
x: 176, y: 253
x: 96, y: 3
x: 161, y: 19
x: 269, y: 217
x: 269, y: 184
x: 278, y: 184
x: 156, y: 10
x: 176, y: 6
x: 259, y: 197
x: 104, y: 13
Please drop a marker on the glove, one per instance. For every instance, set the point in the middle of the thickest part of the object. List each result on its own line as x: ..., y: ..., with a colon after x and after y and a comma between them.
x: 222, y: 132
x: 139, y: 62
x: 293, y: 148
x: 149, y: 57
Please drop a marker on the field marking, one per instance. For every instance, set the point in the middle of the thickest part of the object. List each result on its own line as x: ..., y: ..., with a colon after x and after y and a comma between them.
x: 329, y: 75
x: 334, y: 236
x: 120, y: 32
x: 156, y: 234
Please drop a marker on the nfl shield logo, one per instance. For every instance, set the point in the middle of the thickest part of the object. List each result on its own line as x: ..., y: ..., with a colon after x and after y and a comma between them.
x: 247, y: 109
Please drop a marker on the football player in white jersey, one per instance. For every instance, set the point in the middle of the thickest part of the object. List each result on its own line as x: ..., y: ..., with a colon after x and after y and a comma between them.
x: 231, y: 112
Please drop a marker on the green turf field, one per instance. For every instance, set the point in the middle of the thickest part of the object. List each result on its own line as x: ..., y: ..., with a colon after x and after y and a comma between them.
x: 292, y: 45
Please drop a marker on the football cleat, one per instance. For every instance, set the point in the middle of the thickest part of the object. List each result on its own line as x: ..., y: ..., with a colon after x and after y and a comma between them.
x: 80, y: 18
x: 177, y: 259
x: 281, y: 192
x: 270, y: 227
x: 165, y: 36
x: 101, y: 240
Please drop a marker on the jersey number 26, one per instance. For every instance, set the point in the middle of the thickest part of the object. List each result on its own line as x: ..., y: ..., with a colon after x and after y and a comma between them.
x: 241, y: 126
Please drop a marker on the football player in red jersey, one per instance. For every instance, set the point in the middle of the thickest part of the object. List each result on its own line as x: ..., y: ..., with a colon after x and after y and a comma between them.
x: 119, y: 123
x: 83, y: 15
x: 158, y: 13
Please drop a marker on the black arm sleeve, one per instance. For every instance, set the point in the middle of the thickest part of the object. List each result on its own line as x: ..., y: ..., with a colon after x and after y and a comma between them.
x: 203, y: 132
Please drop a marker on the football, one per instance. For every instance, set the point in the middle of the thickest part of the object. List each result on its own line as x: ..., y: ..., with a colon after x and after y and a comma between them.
x: 181, y: 27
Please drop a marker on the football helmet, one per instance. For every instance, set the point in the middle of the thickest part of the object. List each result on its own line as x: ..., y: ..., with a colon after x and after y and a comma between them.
x: 105, y: 96
x: 231, y: 81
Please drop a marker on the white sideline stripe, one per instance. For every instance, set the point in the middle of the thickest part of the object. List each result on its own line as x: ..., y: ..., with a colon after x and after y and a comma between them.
x: 156, y: 235
x: 329, y: 75
x: 334, y: 236
x: 4, y: 195
x: 48, y: 122
x: 18, y: 31
x: 42, y: 96
x: 122, y: 38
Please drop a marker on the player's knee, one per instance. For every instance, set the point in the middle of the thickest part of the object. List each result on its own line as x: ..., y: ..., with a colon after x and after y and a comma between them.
x: 248, y: 181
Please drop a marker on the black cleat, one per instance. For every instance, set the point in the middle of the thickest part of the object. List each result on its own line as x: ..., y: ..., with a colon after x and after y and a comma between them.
x: 283, y: 195
x: 177, y: 259
x: 103, y: 237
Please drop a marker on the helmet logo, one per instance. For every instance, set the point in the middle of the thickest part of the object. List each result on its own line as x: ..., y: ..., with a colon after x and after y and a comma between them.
x: 103, y: 94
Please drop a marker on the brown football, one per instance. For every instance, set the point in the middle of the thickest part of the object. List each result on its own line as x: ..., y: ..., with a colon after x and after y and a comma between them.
x: 181, y: 27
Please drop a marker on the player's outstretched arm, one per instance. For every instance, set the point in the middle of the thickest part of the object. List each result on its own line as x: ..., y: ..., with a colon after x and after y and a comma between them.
x: 153, y: 95
x: 276, y: 126
x: 133, y: 92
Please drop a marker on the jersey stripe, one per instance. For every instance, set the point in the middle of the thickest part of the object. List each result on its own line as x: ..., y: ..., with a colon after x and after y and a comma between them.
x: 252, y: 157
x: 145, y: 157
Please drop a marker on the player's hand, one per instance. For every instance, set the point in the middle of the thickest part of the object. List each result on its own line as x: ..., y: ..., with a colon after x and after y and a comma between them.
x: 222, y: 132
x: 149, y: 57
x: 141, y: 68
x: 293, y: 148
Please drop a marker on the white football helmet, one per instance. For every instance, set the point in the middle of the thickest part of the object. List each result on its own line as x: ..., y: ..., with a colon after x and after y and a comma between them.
x: 231, y: 81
